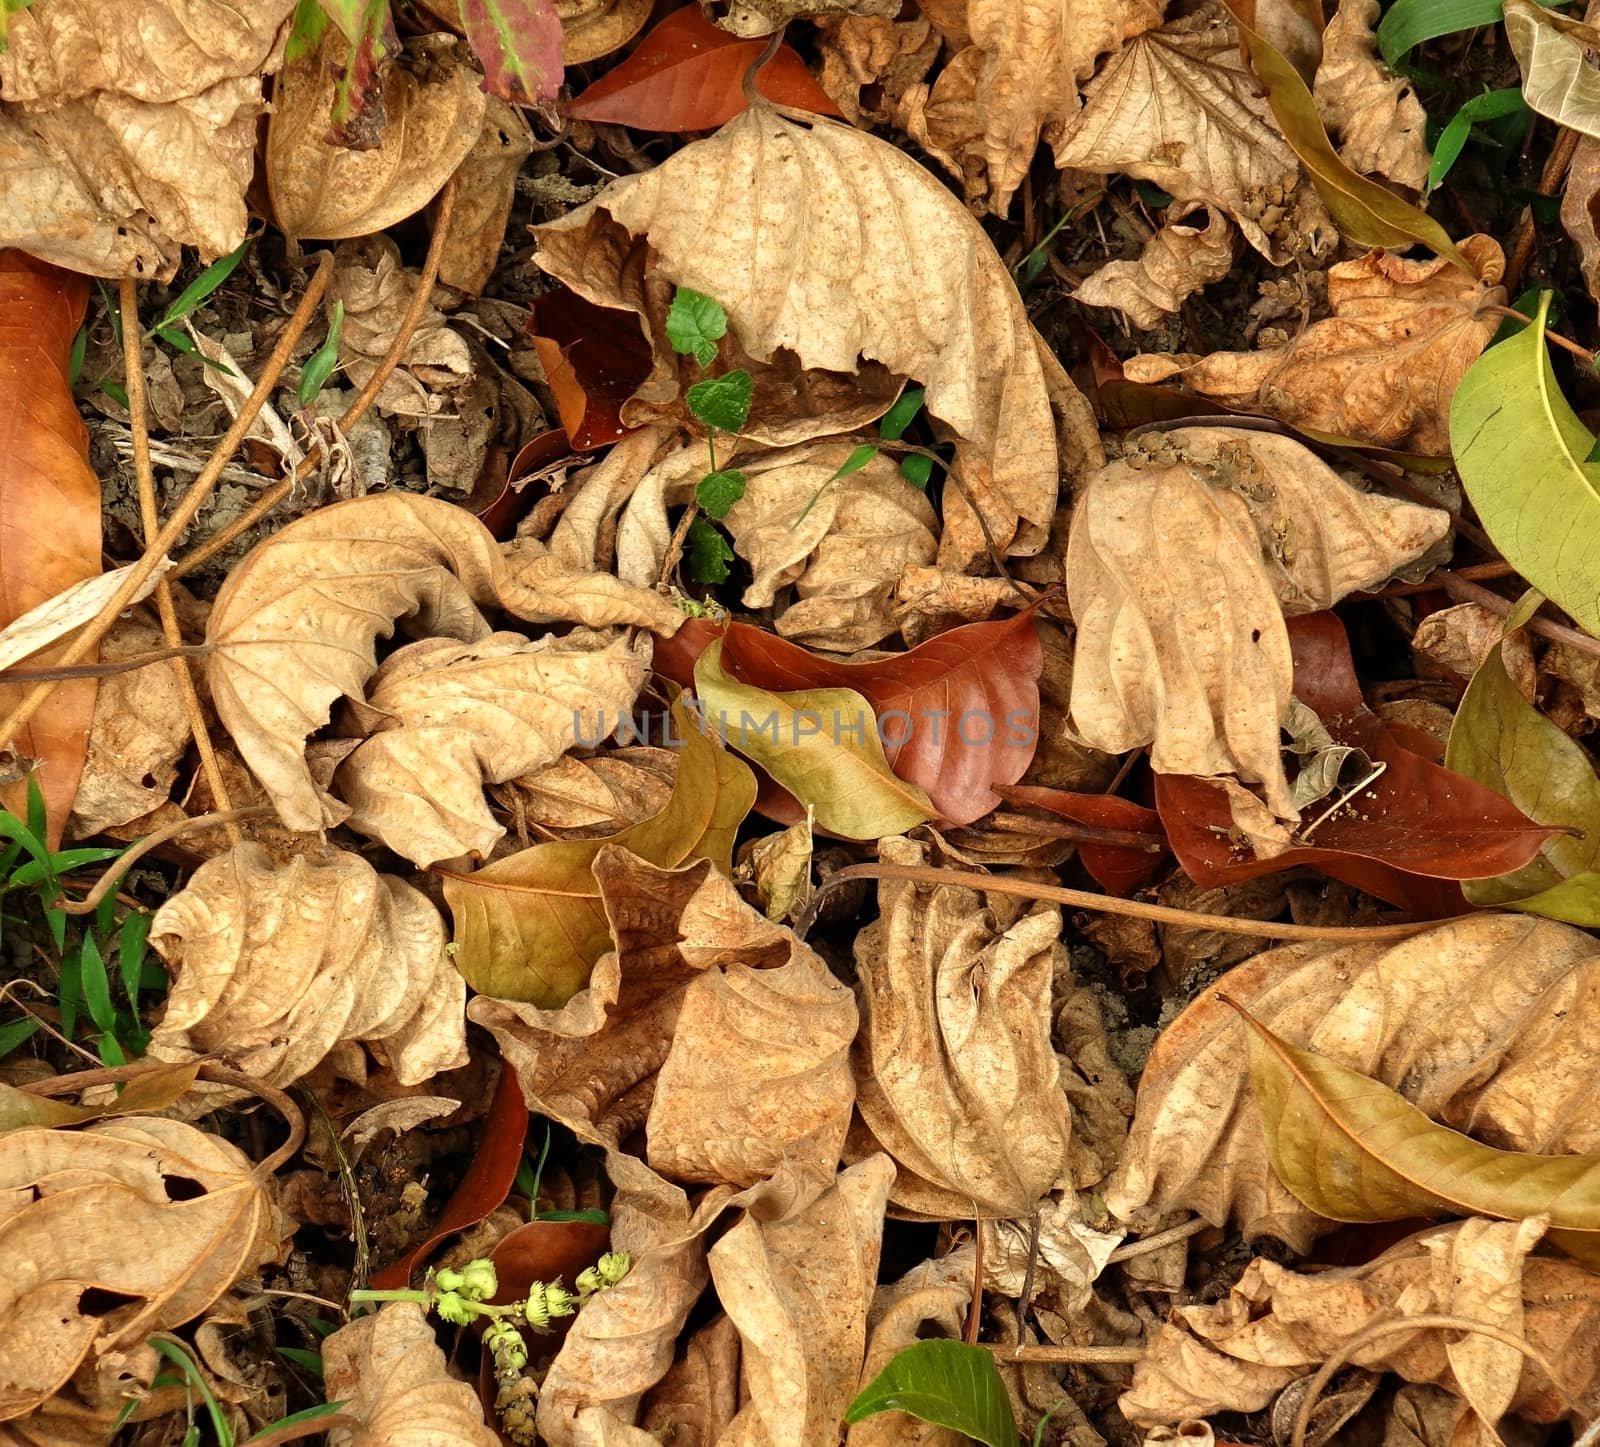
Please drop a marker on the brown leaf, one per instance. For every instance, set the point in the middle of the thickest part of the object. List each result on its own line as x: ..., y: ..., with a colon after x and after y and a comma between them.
x: 282, y: 965
x: 1175, y: 263
x: 699, y: 1396
x: 1382, y: 369
x: 147, y: 1092
x: 593, y: 28
x: 1580, y: 209
x: 1377, y: 116
x: 388, y: 1371
x: 761, y: 17
x: 434, y: 113
x: 869, y: 63
x: 799, y: 1288
x: 1256, y: 526
x: 484, y: 195
x: 956, y: 1076
x: 580, y: 797
x: 161, y: 1215
x: 49, y: 511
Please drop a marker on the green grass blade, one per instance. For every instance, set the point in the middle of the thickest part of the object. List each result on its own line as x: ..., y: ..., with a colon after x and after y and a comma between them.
x: 203, y: 285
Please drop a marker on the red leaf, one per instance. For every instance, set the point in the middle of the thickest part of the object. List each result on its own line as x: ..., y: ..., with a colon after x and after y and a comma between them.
x: 594, y: 357
x: 1116, y: 868
x: 687, y: 75
x: 1417, y: 825
x: 487, y: 1183
x: 518, y: 43
x: 49, y: 510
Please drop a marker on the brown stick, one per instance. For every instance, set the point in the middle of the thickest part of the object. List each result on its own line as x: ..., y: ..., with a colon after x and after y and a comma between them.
x: 1434, y: 582
x: 1464, y: 591
x: 1555, y: 170
x: 105, y: 670
x: 1108, y: 1356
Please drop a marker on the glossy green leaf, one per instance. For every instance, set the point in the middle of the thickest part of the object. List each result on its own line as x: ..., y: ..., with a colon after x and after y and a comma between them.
x: 320, y: 364
x: 947, y: 1383
x: 723, y: 402
x: 718, y: 491
x: 901, y: 415
x: 1520, y: 450
x: 695, y: 324
x: 1490, y: 106
x: 917, y: 470
x: 706, y: 553
x: 1409, y: 22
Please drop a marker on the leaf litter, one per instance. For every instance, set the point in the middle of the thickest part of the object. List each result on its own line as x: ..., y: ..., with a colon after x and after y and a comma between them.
x: 851, y: 742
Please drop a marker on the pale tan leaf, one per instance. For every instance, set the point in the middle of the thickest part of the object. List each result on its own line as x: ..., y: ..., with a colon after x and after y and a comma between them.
x: 388, y: 1371
x: 1375, y: 114
x: 957, y: 1078
x: 1453, y: 643
x: 1557, y: 79
x: 878, y: 261
x: 779, y: 866
x: 943, y: 119
x: 1066, y: 1255
x: 1175, y: 263
x: 227, y: 382
x: 1254, y: 525
x: 762, y: 17
x: 102, y: 1206
x: 869, y: 63
x: 1579, y: 215
x: 594, y: 796
x: 699, y: 1396
x: 279, y: 966
x: 433, y: 112
x: 1208, y: 134
x: 799, y: 1288
x: 404, y: 1113
x: 1382, y: 369
x: 485, y: 190
x: 69, y: 609
x: 445, y: 718
x: 593, y: 28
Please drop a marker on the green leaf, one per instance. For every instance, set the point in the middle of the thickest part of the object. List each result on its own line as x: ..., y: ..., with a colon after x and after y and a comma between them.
x: 17, y: 1033
x: 202, y: 286
x: 901, y: 415
x: 96, y: 985
x: 723, y: 402
x: 131, y: 946
x: 116, y: 392
x: 1410, y: 22
x: 858, y: 459
x: 695, y: 323
x: 320, y: 364
x: 917, y: 470
x: 821, y: 744
x: 302, y: 1357
x: 594, y: 1216
x: 305, y: 34
x: 718, y: 491
x: 305, y: 1414
x: 1520, y: 449
x: 1491, y: 105
x: 195, y: 1379
x: 706, y: 553
x: 80, y: 348
x: 1500, y: 739
x: 947, y: 1383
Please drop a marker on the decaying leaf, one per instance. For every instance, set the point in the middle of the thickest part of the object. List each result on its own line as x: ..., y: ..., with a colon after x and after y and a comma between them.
x: 585, y: 796
x: 1557, y: 79
x: 161, y: 1215
x: 761, y: 17
x: 283, y: 966
x: 484, y: 194
x: 889, y: 56
x: 388, y: 1371
x: 150, y: 1091
x: 956, y: 1075
x: 1255, y: 525
x: 593, y: 28
x: 446, y: 718
x: 779, y: 866
x: 1383, y: 369
x: 1175, y: 263
x: 944, y: 311
x: 1579, y: 213
x: 1376, y: 115
x: 699, y: 1395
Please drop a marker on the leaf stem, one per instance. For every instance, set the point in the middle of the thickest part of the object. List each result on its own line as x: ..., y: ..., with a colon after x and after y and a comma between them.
x: 1565, y: 343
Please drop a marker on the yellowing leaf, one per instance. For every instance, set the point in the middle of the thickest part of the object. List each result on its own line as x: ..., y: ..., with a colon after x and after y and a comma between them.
x: 821, y: 744
x: 1522, y: 454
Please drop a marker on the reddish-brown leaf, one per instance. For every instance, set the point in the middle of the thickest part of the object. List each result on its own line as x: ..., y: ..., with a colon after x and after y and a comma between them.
x: 1121, y: 403
x: 518, y: 43
x: 1117, y: 868
x: 958, y: 714
x: 1418, y: 825
x: 687, y: 75
x: 594, y: 358
x: 49, y: 508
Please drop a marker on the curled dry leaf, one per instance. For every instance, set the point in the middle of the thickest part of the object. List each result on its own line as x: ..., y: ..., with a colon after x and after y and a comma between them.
x: 1175, y: 263
x: 945, y: 311
x: 161, y: 1215
x: 956, y: 1074
x: 281, y: 966
x: 870, y: 63
x: 1484, y: 1025
x: 484, y: 194
x: 1376, y: 115
x: 1579, y: 213
x: 761, y: 17
x: 699, y: 1396
x: 294, y: 625
x: 799, y: 1289
x: 593, y: 28
x: 1557, y: 79
x: 592, y: 796
x: 445, y: 718
x: 388, y: 1371
x: 433, y: 113
x: 1382, y: 369
x: 1256, y: 526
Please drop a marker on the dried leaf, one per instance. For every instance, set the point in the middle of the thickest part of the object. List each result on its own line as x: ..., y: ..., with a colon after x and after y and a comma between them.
x: 433, y: 113
x: 594, y: 359
x: 760, y: 17
x: 388, y: 1371
x: 699, y: 1396
x: 687, y: 75
x: 589, y: 798
x: 1116, y: 868
x: 530, y: 926
x: 945, y: 311
x: 161, y: 1215
x: 1557, y: 79
x: 49, y: 511
x: 280, y: 965
x: 1382, y: 369
x: 1256, y: 526
x: 484, y: 195
x: 148, y: 1092
x: 1175, y: 263
x: 889, y: 56
x: 956, y: 1075
x: 779, y: 866
x: 1377, y: 116
x: 593, y: 28
x: 1578, y: 210
x: 69, y: 610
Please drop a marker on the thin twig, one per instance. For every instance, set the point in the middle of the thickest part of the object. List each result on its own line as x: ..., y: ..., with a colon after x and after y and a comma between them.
x: 275, y: 494
x: 6, y: 997
x: 277, y: 1099
x: 975, y: 1306
x: 1109, y: 904
x: 104, y: 669
x: 1162, y: 1239
x: 1555, y: 170
x: 1027, y: 1280
x: 1434, y: 582
x: 1565, y: 343
x: 1464, y: 591
x: 194, y: 497
x: 1089, y: 1356
x: 150, y: 520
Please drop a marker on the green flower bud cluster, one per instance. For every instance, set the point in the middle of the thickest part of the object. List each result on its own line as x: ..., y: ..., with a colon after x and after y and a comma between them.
x: 547, y: 1300
x: 459, y: 1292
x: 604, y: 1274
x: 505, y: 1343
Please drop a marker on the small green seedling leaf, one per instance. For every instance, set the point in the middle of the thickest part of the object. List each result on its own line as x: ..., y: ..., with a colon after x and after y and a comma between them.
x: 194, y: 1378
x: 116, y: 392
x: 80, y: 348
x: 723, y: 402
x: 1490, y: 106
x: 202, y: 286
x: 275, y: 1430
x: 718, y: 491
x: 1410, y: 22
x: 16, y: 1033
x: 946, y: 1383
x: 858, y: 459
x: 320, y: 364
x: 901, y: 415
x: 917, y: 469
x: 695, y: 324
x: 594, y: 1216
x: 302, y: 1357
x: 706, y: 553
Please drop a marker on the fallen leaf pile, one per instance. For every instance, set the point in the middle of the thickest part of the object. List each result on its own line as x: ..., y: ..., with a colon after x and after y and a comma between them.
x: 806, y: 723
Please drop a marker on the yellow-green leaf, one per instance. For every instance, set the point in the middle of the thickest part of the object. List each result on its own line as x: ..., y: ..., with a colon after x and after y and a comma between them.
x: 1521, y: 452
x: 821, y: 744
x: 1362, y: 209
x: 148, y: 1092
x: 531, y: 926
